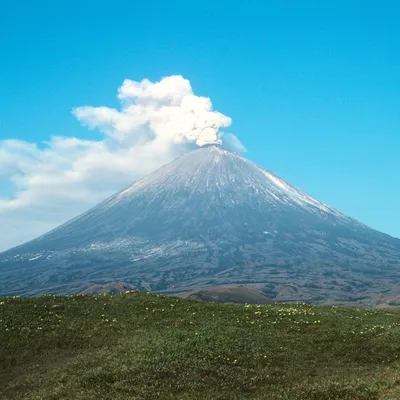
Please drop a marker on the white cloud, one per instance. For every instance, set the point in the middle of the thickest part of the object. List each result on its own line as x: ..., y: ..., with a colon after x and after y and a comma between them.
x: 58, y: 179
x: 166, y: 112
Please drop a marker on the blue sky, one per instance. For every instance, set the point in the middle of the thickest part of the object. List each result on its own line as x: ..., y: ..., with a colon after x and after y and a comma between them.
x: 313, y: 88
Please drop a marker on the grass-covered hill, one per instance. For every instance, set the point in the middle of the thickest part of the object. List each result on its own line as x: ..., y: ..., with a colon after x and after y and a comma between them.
x: 147, y: 346
x: 228, y: 294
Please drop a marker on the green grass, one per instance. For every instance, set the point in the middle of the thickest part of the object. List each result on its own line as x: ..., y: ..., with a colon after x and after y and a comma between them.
x: 147, y: 346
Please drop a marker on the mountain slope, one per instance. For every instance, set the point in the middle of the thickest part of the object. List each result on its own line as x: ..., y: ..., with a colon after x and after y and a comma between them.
x: 210, y: 217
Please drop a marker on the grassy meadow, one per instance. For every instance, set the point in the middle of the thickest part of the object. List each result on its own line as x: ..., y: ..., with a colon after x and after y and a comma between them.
x: 147, y: 346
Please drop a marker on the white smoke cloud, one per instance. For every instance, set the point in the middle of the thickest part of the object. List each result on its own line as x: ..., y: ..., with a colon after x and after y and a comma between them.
x: 166, y: 112
x: 58, y: 179
x: 232, y: 142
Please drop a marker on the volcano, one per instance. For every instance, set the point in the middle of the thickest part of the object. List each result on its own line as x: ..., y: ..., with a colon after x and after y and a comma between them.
x: 209, y: 218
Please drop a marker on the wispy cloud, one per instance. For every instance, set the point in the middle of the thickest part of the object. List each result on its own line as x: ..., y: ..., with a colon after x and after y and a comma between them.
x: 62, y: 177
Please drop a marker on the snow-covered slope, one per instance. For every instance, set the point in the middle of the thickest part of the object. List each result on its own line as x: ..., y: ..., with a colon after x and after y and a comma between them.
x: 209, y: 217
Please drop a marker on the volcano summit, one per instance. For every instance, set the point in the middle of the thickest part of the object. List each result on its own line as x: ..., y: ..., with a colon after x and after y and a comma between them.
x: 211, y: 217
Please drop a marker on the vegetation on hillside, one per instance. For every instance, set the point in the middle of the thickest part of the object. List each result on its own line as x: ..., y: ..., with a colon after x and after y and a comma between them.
x: 147, y: 346
x: 228, y: 294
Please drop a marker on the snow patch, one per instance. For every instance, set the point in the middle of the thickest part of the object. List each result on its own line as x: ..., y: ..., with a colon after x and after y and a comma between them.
x: 35, y: 258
